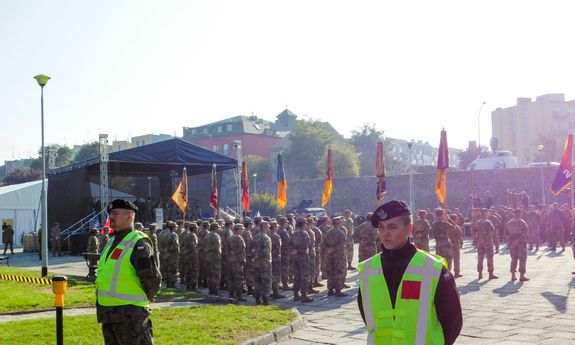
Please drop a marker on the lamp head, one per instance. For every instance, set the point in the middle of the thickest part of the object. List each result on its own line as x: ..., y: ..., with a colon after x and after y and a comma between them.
x: 42, y: 79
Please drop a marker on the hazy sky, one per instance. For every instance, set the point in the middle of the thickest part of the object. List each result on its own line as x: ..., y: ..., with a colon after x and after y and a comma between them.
x: 134, y: 67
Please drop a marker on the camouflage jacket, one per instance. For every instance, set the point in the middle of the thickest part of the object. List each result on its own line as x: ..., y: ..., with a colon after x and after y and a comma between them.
x: 237, y: 249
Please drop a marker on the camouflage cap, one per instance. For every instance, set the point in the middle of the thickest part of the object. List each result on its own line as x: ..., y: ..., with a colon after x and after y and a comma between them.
x: 238, y: 226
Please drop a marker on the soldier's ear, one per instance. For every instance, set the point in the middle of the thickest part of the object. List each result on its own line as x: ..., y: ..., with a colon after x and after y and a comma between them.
x: 409, y: 228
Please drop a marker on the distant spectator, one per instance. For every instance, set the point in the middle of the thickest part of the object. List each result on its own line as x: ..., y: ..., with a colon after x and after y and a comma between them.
x: 487, y: 200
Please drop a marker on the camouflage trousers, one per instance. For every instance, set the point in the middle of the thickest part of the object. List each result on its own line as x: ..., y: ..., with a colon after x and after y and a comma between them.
x: 322, y: 261
x: 421, y: 244
x: 518, y: 253
x: 236, y: 277
x: 214, y: 271
x: 366, y: 251
x: 276, y: 272
x: 445, y: 250
x: 225, y: 272
x: 485, y: 250
x: 336, y: 270
x: 249, y: 272
x: 556, y: 235
x: 300, y: 266
x: 312, y: 270
x: 202, y: 272
x: 191, y: 270
x: 456, y: 252
x: 262, y: 279
x: 171, y: 267
x: 181, y: 269
x: 317, y: 267
x: 533, y: 238
x: 128, y: 333
x: 285, y: 267
x: 163, y: 265
x: 349, y: 252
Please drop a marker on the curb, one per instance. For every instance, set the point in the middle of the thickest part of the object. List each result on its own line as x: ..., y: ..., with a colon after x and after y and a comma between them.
x: 278, y: 333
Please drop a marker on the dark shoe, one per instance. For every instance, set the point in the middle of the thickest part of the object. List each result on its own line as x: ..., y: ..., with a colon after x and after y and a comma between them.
x: 493, y: 276
x: 330, y: 292
x: 276, y: 295
x: 312, y: 291
x: 457, y: 275
x: 286, y: 288
x: 306, y: 299
x: 350, y: 268
x: 480, y: 276
x: 523, y: 278
x: 240, y: 298
x: 258, y: 301
x: 265, y: 301
x: 346, y: 286
x: 317, y: 284
x: 513, y: 277
x: 340, y: 294
x: 296, y: 297
x: 250, y: 290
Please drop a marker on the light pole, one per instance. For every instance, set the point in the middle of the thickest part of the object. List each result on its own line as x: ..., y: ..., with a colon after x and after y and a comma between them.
x: 42, y: 80
x: 479, y: 125
x: 540, y: 149
x: 411, y: 201
x: 255, y: 183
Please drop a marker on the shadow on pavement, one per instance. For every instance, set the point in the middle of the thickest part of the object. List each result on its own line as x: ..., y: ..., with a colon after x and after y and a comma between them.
x: 472, y: 286
x: 508, y: 289
x: 558, y: 301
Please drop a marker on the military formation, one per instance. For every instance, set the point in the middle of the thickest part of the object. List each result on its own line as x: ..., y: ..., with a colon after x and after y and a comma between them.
x: 260, y: 256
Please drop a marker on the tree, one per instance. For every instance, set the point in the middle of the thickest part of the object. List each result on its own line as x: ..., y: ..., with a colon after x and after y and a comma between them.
x: 261, y: 166
x: 63, y: 156
x: 91, y: 150
x: 469, y: 154
x: 308, y: 142
x: 345, y: 162
x: 266, y: 204
x: 364, y: 140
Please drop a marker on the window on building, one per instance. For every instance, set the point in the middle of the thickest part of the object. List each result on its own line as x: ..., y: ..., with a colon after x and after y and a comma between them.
x: 226, y: 149
x: 192, y: 131
x: 229, y: 127
x: 205, y: 130
x: 220, y: 129
x: 216, y: 148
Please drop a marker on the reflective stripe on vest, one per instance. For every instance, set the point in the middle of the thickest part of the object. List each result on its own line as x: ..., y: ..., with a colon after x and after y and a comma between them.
x: 107, y: 288
x: 401, y: 324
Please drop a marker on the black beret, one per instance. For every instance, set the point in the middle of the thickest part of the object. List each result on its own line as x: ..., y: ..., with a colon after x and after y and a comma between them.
x: 390, y: 209
x: 120, y: 203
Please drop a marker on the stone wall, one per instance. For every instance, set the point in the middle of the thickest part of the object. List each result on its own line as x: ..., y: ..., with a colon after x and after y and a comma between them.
x: 358, y: 194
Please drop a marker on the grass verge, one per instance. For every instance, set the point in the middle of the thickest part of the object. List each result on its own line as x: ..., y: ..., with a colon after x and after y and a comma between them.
x: 226, y: 324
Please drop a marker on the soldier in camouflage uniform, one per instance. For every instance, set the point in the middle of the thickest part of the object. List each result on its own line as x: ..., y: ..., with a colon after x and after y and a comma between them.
x: 225, y: 233
x: 533, y: 220
x: 483, y: 231
x: 440, y: 230
x: 421, y: 229
x: 350, y: 227
x: 103, y: 239
x: 324, y: 228
x: 312, y: 254
x: 262, y: 264
x: 237, y: 260
x: 318, y: 239
x: 154, y: 237
x: 202, y: 276
x: 557, y: 225
x: 366, y: 236
x: 517, y: 229
x: 249, y: 266
x: 299, y: 250
x: 276, y: 259
x: 335, y: 255
x: 285, y: 252
x: 189, y: 255
x: 213, y: 252
x: 456, y: 238
x: 169, y: 244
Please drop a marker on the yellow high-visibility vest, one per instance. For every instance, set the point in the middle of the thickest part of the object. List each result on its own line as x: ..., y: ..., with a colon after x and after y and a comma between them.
x: 111, y: 268
x: 414, y: 319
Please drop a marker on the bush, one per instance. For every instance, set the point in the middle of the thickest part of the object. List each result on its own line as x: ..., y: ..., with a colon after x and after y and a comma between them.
x: 265, y: 203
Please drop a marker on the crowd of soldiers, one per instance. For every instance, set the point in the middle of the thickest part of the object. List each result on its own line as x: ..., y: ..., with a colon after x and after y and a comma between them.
x: 261, y: 256
x: 523, y: 229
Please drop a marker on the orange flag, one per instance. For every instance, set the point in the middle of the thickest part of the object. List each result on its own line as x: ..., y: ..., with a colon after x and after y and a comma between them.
x: 245, y: 188
x: 282, y: 183
x: 180, y: 196
x: 328, y: 185
x: 442, y: 165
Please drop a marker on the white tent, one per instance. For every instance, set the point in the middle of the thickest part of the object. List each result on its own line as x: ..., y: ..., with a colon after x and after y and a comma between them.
x: 20, y: 204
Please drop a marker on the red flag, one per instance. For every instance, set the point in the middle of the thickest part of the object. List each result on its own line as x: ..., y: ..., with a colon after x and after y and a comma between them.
x: 107, y: 224
x: 442, y: 165
x: 214, y: 194
x: 328, y: 185
x: 245, y: 188
x: 564, y: 175
x: 380, y: 172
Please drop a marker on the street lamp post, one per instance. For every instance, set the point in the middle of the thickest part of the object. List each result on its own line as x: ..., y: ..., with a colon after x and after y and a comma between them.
x: 42, y: 80
x: 540, y: 149
x: 479, y: 125
x: 255, y: 183
x: 411, y: 199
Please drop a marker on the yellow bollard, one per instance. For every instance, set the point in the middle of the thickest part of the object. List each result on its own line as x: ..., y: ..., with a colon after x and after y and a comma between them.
x: 59, y: 288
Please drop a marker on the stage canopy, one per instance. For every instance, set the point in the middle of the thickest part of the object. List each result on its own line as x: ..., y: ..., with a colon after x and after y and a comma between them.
x: 148, y: 173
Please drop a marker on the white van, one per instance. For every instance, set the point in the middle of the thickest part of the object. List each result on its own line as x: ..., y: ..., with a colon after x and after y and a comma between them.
x: 494, y: 161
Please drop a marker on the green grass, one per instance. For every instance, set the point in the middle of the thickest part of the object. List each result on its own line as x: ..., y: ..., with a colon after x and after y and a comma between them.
x: 80, y: 293
x: 229, y: 324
